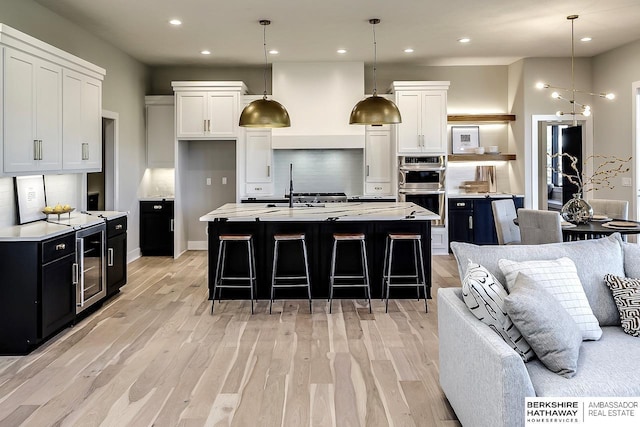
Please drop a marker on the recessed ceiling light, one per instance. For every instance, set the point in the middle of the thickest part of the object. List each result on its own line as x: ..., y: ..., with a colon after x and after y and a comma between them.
x: 175, y: 22
x: 408, y: 50
x: 464, y: 40
x: 342, y: 51
x: 205, y: 52
x: 585, y: 39
x: 274, y: 52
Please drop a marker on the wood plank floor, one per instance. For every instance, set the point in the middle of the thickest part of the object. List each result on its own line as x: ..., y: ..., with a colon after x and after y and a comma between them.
x: 154, y: 355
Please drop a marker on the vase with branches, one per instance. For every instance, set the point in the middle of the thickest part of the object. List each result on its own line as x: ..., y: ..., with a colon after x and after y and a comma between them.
x: 577, y: 210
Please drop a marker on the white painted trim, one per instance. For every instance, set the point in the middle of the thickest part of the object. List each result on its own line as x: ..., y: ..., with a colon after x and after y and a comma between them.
x: 197, y: 245
x: 133, y: 255
x: 111, y: 115
x: 635, y: 135
x: 531, y: 163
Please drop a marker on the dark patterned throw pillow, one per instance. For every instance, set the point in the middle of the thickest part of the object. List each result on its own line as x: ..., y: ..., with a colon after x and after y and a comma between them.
x: 484, y: 295
x: 626, y: 294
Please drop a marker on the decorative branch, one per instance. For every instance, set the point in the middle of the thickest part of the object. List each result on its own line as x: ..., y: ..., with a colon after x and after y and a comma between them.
x: 609, y: 168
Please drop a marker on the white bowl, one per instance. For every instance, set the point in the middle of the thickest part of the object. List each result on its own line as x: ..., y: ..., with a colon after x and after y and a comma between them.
x: 493, y: 149
x: 480, y: 150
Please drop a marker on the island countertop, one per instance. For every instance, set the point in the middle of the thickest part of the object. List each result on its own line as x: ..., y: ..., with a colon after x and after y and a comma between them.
x: 350, y: 211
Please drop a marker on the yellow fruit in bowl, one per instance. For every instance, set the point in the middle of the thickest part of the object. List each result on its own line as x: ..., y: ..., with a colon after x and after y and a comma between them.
x: 67, y: 207
x: 58, y: 208
x: 48, y: 209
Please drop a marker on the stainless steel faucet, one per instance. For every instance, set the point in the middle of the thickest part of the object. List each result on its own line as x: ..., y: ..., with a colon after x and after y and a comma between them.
x: 290, y: 185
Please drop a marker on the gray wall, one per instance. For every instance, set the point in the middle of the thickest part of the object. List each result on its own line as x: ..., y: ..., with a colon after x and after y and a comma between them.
x: 616, y: 71
x: 161, y: 77
x: 123, y: 89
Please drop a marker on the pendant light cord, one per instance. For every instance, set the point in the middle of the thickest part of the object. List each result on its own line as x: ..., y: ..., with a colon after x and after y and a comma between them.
x: 573, y: 82
x: 264, y: 45
x: 375, y: 57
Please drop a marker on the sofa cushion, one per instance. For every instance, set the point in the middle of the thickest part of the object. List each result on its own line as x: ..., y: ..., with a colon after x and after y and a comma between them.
x: 484, y: 296
x: 593, y: 259
x: 559, y: 278
x: 631, y: 259
x: 546, y: 325
x: 626, y: 293
x: 607, y: 367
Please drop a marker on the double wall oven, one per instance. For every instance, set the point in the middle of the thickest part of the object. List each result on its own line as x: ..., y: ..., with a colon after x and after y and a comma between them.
x: 421, y: 180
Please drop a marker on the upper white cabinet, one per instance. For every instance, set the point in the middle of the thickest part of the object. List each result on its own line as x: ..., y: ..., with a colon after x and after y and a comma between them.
x: 379, y: 158
x: 259, y: 178
x: 33, y: 113
x: 160, y: 131
x: 82, y: 122
x: 207, y: 110
x: 52, y: 104
x: 423, y: 106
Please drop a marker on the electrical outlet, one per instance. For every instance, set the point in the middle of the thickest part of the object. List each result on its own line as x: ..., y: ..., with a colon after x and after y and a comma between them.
x: 626, y: 182
x: 208, y: 181
x: 224, y: 180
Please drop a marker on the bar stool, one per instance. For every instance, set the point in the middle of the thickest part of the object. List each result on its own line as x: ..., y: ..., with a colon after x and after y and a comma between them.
x: 218, y: 283
x: 392, y: 238
x: 346, y: 237
x: 274, y: 276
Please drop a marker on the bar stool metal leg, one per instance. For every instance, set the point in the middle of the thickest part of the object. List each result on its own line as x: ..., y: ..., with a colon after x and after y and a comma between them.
x: 216, y: 278
x: 386, y: 304
x: 306, y: 272
x: 424, y: 278
x: 333, y: 272
x: 365, y: 270
x: 251, y: 271
x: 220, y: 278
x: 273, y: 273
x: 384, y: 266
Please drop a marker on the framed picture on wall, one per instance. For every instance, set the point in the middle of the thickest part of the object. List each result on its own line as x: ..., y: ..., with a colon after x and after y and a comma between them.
x: 465, y: 139
x: 30, y: 198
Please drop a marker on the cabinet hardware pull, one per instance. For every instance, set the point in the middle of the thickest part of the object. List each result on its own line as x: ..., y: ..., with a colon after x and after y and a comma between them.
x: 61, y: 246
x: 378, y: 188
x: 110, y: 257
x: 460, y: 204
x: 208, y: 125
x: 75, y: 272
x: 171, y: 224
x: 157, y: 207
x: 35, y: 149
x: 470, y: 223
x: 268, y: 170
x: 119, y: 227
x: 204, y: 125
x: 258, y: 188
x: 85, y: 151
x: 367, y: 170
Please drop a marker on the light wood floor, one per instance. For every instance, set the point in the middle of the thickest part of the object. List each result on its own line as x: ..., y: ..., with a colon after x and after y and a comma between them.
x: 155, y: 355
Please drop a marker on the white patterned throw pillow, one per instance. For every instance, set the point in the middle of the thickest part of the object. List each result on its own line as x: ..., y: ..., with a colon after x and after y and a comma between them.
x: 484, y: 296
x: 626, y: 293
x: 560, y: 278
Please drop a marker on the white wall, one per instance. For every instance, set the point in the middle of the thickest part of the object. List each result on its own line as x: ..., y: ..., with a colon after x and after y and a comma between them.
x: 123, y: 92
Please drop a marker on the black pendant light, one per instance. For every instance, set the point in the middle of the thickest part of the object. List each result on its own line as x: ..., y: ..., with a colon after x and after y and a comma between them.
x: 265, y: 113
x: 375, y: 110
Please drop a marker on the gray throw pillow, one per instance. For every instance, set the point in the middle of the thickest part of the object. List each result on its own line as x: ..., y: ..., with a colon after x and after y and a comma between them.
x: 550, y: 331
x: 484, y: 295
x: 631, y: 259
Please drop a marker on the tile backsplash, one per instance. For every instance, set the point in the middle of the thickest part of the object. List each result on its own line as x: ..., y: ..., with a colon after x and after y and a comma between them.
x: 157, y: 182
x: 65, y: 189
x: 319, y: 171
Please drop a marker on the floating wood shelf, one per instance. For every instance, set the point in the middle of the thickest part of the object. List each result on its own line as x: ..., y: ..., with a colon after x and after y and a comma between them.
x: 479, y: 157
x: 485, y: 118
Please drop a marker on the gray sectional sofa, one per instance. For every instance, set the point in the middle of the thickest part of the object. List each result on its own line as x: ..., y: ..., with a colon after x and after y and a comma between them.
x: 486, y: 381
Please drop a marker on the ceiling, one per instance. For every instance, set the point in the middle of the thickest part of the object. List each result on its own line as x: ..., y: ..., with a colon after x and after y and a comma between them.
x: 501, y: 31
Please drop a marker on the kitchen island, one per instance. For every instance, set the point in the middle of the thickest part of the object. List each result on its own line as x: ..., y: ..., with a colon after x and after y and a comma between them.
x: 319, y: 222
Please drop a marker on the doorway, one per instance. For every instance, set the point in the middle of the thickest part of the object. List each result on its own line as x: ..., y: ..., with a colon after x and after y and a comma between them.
x: 101, y: 186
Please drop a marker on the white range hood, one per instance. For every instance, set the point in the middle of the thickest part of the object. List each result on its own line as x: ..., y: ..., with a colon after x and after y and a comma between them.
x: 319, y: 97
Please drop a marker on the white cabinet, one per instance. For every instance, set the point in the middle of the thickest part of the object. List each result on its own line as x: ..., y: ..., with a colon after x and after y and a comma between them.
x: 423, y: 106
x: 160, y: 131
x: 258, y: 164
x: 81, y: 122
x: 33, y: 113
x: 379, y: 160
x: 207, y: 110
x: 51, y: 108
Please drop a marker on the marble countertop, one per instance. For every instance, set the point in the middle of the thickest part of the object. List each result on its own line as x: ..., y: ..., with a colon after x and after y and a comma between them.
x: 352, y: 211
x: 33, y: 232
x: 108, y: 214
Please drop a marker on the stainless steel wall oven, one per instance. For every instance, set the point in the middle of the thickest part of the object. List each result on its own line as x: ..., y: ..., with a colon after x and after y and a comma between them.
x: 421, y: 180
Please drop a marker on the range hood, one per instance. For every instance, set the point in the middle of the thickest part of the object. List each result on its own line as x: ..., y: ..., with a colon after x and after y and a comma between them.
x: 319, y: 97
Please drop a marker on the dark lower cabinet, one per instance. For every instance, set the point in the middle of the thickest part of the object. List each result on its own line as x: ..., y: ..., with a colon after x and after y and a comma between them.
x: 116, y: 254
x: 37, y: 294
x: 471, y: 220
x: 156, y: 228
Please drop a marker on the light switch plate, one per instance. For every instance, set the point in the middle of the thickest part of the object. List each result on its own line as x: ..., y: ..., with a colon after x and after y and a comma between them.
x: 626, y: 182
